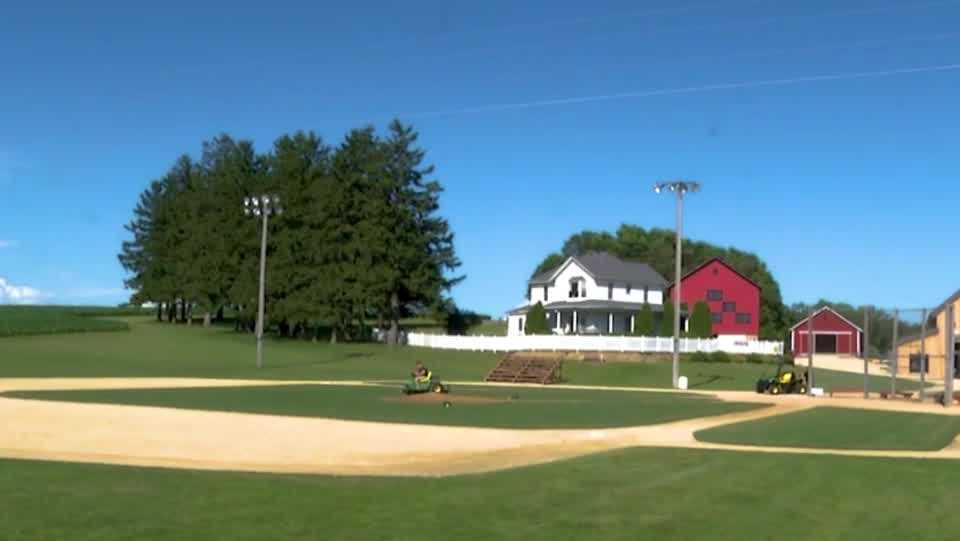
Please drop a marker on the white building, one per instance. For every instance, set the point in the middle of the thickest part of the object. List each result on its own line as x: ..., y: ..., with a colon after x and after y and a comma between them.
x: 596, y: 293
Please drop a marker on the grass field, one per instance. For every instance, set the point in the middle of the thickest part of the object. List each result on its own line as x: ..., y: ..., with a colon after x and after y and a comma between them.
x: 482, y: 407
x: 33, y: 320
x: 626, y: 495
x: 839, y: 428
x: 162, y: 349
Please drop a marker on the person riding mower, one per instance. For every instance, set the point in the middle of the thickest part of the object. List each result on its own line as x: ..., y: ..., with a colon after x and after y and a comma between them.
x: 784, y: 382
x: 421, y: 381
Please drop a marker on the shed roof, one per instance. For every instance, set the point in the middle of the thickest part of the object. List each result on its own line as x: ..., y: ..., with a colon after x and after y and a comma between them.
x: 826, y: 309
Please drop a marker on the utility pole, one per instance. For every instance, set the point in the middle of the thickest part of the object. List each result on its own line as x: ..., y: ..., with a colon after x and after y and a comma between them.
x: 810, y: 345
x: 679, y: 188
x: 262, y: 206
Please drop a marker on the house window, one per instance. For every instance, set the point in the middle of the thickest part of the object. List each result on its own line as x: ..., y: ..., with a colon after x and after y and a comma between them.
x: 529, y: 290
x: 915, y: 363
x: 578, y: 288
x: 729, y: 307
x: 646, y: 291
x: 714, y: 295
x: 610, y: 292
x: 546, y: 297
x: 717, y: 317
x: 520, y: 324
x: 743, y: 318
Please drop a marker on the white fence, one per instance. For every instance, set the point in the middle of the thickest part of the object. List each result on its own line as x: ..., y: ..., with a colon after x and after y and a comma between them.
x: 643, y: 344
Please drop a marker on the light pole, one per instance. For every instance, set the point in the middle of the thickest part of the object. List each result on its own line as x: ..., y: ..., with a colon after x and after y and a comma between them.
x: 262, y: 206
x: 679, y: 188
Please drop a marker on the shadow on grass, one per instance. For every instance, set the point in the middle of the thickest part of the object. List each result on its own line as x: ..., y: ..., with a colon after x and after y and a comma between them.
x: 710, y: 380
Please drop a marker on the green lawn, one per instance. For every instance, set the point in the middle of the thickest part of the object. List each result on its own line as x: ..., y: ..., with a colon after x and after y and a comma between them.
x: 32, y: 320
x: 507, y: 408
x: 162, y: 349
x: 626, y: 495
x: 840, y: 428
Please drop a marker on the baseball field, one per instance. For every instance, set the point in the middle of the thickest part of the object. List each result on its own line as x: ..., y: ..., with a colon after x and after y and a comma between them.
x: 170, y: 432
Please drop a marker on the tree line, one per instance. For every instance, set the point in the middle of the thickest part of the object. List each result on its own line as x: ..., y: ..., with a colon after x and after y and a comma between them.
x: 360, y: 239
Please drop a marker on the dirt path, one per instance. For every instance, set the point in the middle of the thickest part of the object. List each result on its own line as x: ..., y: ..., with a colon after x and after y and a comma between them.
x: 150, y: 436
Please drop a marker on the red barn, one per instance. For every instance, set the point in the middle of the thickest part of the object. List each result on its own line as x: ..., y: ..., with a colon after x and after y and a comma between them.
x: 832, y: 334
x: 734, y: 299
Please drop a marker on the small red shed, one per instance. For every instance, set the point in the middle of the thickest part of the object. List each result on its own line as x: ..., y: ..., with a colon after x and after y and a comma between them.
x: 832, y: 334
x: 734, y: 299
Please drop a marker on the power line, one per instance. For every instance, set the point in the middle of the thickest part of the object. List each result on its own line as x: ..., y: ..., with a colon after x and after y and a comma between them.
x: 686, y: 90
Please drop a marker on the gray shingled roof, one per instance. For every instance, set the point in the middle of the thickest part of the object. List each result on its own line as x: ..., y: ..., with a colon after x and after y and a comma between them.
x: 606, y: 267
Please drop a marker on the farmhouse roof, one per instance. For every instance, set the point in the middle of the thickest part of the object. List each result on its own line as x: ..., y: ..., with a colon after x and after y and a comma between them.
x: 606, y: 267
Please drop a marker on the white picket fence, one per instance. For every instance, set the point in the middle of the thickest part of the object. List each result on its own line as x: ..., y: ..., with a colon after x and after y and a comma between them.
x: 643, y: 344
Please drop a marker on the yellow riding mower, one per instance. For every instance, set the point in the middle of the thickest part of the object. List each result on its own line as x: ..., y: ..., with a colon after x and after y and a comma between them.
x: 785, y: 382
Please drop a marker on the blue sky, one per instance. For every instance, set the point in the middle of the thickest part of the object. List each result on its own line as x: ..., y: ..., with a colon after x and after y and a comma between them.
x: 847, y: 186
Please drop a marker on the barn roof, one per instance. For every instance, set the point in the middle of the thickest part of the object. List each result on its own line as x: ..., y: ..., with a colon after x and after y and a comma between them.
x: 699, y: 267
x: 826, y: 309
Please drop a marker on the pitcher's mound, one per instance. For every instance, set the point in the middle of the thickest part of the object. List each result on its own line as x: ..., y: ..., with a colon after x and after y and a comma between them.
x: 434, y: 398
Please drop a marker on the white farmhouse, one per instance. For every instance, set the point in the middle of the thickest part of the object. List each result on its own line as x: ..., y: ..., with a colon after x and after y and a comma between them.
x: 596, y: 293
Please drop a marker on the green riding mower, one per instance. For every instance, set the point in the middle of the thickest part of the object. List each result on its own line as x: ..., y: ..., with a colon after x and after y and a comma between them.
x: 784, y: 382
x: 425, y: 384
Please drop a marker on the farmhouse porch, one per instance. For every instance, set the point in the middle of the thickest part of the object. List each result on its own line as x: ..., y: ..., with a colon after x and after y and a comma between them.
x: 584, y: 317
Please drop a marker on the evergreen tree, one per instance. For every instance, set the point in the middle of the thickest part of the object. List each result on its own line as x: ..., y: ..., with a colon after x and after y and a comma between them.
x: 701, y: 321
x: 537, y: 321
x: 643, y: 322
x: 666, y: 322
x: 415, y: 250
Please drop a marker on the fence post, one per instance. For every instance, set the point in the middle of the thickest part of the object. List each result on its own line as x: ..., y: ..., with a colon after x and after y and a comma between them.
x: 894, y: 359
x: 923, y: 355
x: 948, y: 355
x: 866, y: 351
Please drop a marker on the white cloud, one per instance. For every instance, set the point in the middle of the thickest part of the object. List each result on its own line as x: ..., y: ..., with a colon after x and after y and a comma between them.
x: 12, y: 294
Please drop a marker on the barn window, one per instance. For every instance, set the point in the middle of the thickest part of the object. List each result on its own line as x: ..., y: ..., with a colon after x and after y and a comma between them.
x: 743, y: 318
x: 915, y: 363
x: 714, y: 295
x: 729, y: 307
x: 717, y: 317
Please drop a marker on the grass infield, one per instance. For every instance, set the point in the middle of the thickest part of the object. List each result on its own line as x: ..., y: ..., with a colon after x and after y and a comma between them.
x: 840, y: 428
x: 469, y: 406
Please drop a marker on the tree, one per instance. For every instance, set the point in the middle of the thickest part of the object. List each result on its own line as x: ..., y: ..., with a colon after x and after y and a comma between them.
x: 701, y: 321
x: 537, y: 321
x: 643, y: 322
x: 666, y: 322
x: 413, y: 247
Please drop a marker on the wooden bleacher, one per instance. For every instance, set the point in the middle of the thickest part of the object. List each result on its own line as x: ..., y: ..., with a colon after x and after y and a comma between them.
x: 527, y: 367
